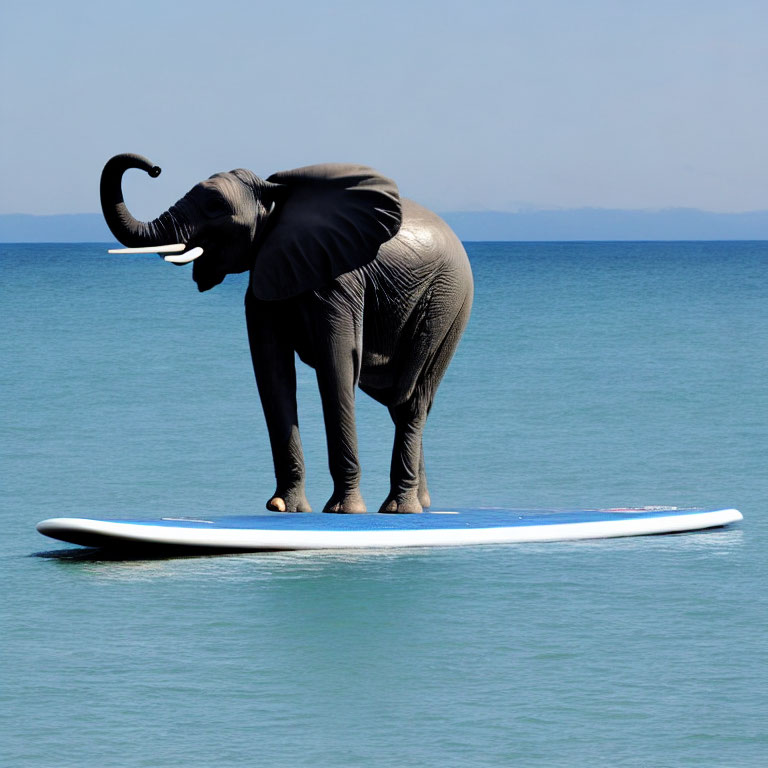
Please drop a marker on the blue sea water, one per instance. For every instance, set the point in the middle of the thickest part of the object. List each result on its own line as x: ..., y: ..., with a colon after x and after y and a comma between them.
x: 592, y: 374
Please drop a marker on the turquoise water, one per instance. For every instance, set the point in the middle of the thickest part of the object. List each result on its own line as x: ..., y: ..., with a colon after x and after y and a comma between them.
x: 592, y: 374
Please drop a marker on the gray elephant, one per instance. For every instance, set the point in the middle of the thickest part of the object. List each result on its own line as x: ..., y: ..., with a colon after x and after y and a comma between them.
x: 369, y: 289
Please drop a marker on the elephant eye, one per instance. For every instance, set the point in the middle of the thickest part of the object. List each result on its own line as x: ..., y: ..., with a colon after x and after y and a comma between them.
x: 217, y: 206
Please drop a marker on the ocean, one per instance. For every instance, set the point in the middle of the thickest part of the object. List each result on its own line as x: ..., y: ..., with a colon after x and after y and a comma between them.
x: 591, y: 374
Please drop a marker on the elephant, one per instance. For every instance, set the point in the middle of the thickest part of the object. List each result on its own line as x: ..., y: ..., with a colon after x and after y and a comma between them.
x: 371, y: 290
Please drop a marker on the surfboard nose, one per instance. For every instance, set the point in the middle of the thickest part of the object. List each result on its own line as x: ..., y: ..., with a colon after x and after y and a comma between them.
x: 50, y: 526
x: 70, y: 529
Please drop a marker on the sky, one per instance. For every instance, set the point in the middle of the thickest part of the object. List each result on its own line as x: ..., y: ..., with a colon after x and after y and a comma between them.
x: 478, y: 105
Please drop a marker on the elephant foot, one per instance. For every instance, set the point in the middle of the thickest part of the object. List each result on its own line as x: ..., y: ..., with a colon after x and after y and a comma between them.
x: 424, y: 498
x: 289, y: 501
x: 408, y: 504
x: 349, y: 503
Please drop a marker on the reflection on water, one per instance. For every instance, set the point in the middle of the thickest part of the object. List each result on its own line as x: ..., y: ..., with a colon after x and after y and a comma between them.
x: 259, y: 566
x: 237, y: 567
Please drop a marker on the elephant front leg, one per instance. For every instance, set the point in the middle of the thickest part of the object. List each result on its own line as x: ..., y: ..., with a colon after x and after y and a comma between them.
x: 290, y: 494
x: 275, y: 369
x: 337, y: 377
x: 338, y: 398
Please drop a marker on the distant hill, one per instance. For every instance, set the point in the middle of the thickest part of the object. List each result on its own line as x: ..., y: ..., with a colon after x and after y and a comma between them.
x: 568, y: 224
x: 607, y: 224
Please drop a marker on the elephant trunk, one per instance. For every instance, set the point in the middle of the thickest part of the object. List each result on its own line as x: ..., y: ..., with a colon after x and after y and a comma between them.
x: 173, y: 226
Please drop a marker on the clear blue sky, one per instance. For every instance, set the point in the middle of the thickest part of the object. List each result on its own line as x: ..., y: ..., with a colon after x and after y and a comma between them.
x: 468, y: 105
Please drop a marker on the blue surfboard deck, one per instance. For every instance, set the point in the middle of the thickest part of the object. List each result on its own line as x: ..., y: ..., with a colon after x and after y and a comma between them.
x: 439, y: 527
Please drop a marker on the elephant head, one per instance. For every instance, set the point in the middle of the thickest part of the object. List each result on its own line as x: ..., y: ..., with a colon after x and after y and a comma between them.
x: 296, y: 231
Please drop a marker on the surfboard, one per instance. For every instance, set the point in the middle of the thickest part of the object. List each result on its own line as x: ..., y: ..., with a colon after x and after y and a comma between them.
x: 435, y: 528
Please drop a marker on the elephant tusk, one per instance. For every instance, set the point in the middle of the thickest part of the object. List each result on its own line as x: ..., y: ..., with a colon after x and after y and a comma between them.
x: 185, y: 258
x: 175, y: 248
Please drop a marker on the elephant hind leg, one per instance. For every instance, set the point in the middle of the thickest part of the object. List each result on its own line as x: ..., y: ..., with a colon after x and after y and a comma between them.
x: 408, y: 476
x: 424, y: 498
x: 405, y: 472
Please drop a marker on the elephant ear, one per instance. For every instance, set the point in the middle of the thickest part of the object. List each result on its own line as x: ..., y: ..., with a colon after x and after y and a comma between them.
x: 328, y: 219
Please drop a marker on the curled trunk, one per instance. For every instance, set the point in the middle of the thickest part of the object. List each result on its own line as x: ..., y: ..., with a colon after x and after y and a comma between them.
x: 173, y: 226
